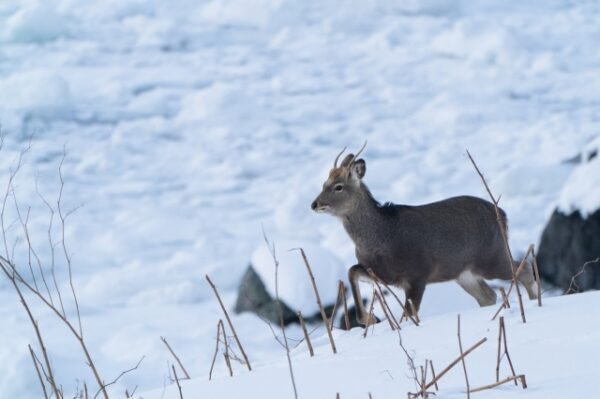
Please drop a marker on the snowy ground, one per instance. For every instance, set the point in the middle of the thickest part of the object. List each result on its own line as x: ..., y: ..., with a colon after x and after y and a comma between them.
x: 556, y: 350
x: 191, y: 126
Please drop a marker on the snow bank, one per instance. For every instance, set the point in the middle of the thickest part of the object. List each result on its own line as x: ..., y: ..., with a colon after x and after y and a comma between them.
x: 582, y: 190
x: 295, y: 288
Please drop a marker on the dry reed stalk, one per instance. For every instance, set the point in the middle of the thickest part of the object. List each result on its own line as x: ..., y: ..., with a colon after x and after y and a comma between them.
x: 334, y: 310
x: 226, y: 354
x: 12, y: 276
x: 114, y: 381
x: 571, y: 290
x: 164, y: 340
x: 433, y: 375
x: 318, y: 297
x: 306, y: 336
x: 177, y: 381
x: 505, y: 301
x: 424, y: 393
x: 16, y: 278
x: 536, y: 270
x: 499, y: 350
x: 227, y: 358
x: 37, y: 370
x: 502, y: 339
x: 385, y: 312
x: 280, y: 311
x: 456, y: 361
x: 387, y: 287
x: 502, y: 227
x: 520, y: 377
x: 503, y: 327
x: 389, y: 314
x: 370, y: 315
x: 212, y: 364
x: 341, y: 296
x: 237, y: 340
x: 523, y: 381
x: 462, y: 357
x: 410, y: 362
x: 346, y: 316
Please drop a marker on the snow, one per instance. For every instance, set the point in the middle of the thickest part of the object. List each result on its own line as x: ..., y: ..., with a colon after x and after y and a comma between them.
x: 37, y: 21
x: 292, y: 276
x: 37, y: 91
x: 582, y: 191
x: 553, y: 349
x: 191, y: 127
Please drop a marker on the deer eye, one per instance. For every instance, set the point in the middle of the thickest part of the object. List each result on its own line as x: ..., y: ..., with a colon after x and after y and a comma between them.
x: 338, y: 187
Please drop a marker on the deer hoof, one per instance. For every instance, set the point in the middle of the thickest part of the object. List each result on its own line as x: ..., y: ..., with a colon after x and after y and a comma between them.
x: 372, y: 319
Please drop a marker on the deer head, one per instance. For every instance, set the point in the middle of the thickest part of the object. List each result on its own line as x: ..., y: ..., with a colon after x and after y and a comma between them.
x: 343, y: 186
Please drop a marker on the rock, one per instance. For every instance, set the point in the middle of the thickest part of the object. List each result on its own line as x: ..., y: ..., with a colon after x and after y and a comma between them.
x: 257, y: 289
x: 253, y: 297
x: 568, y: 241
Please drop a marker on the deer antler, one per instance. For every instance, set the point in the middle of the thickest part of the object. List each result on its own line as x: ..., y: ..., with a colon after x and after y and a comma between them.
x: 355, y: 157
x: 338, y: 157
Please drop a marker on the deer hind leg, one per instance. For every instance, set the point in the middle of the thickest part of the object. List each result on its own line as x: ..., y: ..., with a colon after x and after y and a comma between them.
x: 477, y: 288
x: 355, y: 274
x: 526, y: 278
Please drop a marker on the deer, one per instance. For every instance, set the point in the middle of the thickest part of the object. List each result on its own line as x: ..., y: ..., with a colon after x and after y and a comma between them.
x: 408, y: 247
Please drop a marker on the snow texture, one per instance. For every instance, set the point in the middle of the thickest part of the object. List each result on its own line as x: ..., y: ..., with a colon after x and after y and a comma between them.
x: 191, y: 126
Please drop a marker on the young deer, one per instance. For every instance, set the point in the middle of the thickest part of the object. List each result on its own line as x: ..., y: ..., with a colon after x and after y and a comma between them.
x: 411, y: 246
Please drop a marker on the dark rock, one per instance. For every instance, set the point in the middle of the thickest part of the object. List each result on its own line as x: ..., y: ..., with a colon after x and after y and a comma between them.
x: 582, y: 156
x: 253, y: 297
x: 352, y: 318
x: 568, y: 241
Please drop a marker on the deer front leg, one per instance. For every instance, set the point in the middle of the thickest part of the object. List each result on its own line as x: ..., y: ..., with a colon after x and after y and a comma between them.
x: 414, y: 292
x: 356, y: 273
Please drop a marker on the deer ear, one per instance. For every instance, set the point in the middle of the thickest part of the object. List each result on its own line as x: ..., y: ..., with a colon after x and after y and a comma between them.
x: 359, y: 168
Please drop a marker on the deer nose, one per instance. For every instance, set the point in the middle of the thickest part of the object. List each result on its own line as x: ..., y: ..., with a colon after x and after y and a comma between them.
x: 313, y: 206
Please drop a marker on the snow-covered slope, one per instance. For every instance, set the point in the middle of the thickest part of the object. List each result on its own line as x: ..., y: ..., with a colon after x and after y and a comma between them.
x: 191, y: 125
x: 557, y: 350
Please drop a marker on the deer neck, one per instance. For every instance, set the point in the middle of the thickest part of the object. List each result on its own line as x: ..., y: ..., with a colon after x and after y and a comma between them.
x: 365, y: 222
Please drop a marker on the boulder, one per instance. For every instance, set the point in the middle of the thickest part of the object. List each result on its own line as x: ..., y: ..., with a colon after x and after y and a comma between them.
x: 253, y: 297
x: 568, y: 241
x: 256, y: 292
